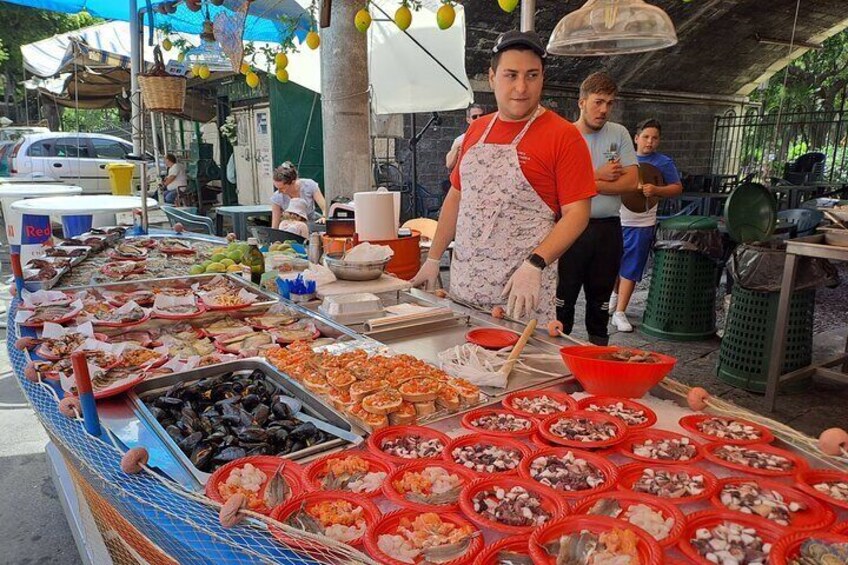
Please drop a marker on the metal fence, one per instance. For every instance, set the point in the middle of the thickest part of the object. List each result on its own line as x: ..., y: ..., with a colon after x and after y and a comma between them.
x: 763, y: 143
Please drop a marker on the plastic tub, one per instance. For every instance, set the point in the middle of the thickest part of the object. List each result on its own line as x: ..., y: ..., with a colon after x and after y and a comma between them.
x: 601, y: 463
x: 509, y: 402
x: 315, y: 471
x: 547, y: 423
x: 711, y: 518
x: 553, y: 504
x: 375, y: 442
x: 799, y: 464
x: 641, y: 436
x: 391, y: 492
x: 629, y: 474
x: 628, y: 499
x: 388, y: 524
x: 292, y: 472
x: 469, y: 417
x: 690, y: 423
x: 370, y: 512
x: 815, y: 516
x: 604, y: 401
x: 479, y: 439
x: 649, y: 551
x: 614, y: 378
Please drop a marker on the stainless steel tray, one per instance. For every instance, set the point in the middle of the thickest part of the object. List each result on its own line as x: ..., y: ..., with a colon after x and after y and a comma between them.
x: 311, y: 407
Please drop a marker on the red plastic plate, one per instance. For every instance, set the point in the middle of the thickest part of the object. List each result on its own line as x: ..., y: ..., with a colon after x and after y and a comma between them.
x: 560, y: 397
x: 629, y: 474
x: 807, y: 479
x: 480, y: 439
x: 315, y: 471
x: 370, y: 512
x: 546, y: 433
x: 800, y: 464
x: 712, y: 518
x: 690, y: 423
x: 391, y: 492
x: 469, y: 417
x: 375, y: 441
x: 514, y: 544
x: 550, y: 502
x: 628, y: 499
x: 650, y: 416
x: 641, y: 436
x: 609, y: 470
x: 292, y: 472
x: 788, y: 547
x: 492, y: 338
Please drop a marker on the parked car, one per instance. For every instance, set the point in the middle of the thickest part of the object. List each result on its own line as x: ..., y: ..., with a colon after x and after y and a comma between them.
x: 71, y: 158
x: 5, y: 151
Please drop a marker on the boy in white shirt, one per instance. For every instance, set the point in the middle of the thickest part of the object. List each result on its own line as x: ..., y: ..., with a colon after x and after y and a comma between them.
x: 294, y: 218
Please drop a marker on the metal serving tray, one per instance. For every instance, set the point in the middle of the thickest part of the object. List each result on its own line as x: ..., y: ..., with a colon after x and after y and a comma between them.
x: 311, y: 407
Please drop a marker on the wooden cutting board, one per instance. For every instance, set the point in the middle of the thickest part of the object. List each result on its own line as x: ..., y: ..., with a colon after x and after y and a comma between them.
x: 638, y: 202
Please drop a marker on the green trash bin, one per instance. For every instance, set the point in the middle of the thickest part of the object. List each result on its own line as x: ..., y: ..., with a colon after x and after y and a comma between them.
x: 681, y: 299
x: 745, y: 350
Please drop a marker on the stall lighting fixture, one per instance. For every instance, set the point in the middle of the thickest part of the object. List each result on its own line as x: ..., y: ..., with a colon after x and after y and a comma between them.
x: 209, y: 52
x: 612, y: 27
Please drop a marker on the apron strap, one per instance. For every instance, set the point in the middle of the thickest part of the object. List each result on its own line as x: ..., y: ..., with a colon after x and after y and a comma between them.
x: 519, y: 137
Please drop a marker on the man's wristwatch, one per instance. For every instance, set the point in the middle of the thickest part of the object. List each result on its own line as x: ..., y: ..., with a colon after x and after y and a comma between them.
x: 537, y: 261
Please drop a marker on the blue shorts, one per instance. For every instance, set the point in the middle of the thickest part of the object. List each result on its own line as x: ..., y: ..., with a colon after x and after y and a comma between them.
x: 637, y: 246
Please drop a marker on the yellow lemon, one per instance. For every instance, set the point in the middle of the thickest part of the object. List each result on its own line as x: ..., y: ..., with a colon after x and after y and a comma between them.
x: 362, y: 21
x: 252, y: 79
x: 216, y: 268
x: 445, y: 16
x: 403, y: 17
x: 282, y: 75
x: 508, y: 6
x: 313, y: 40
x: 195, y: 69
x: 227, y: 262
x: 166, y: 44
x: 234, y: 269
x: 244, y: 68
x: 181, y: 57
x: 281, y: 60
x: 204, y: 72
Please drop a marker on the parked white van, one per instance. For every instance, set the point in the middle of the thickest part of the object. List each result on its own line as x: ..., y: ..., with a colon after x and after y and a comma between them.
x: 69, y: 157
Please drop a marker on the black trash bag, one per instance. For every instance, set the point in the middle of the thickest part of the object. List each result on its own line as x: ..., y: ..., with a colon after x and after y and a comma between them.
x: 760, y: 268
x: 705, y: 242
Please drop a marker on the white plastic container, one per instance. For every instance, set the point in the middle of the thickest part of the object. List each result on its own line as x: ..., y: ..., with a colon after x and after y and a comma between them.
x: 352, y: 308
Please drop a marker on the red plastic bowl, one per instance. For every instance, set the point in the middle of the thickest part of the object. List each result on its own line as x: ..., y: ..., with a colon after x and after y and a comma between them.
x: 650, y: 416
x: 375, y: 441
x: 492, y: 338
x: 614, y: 378
x: 600, y: 462
x: 560, y: 397
x: 315, y: 471
x: 514, y: 544
x: 816, y: 516
x: 389, y: 490
x: 292, y: 472
x: 628, y: 499
x: 711, y: 518
x: 650, y: 552
x: 788, y: 547
x: 629, y: 474
x: 641, y: 436
x: 469, y: 417
x: 388, y: 524
x: 475, y: 439
x: 690, y: 423
x: 550, y: 500
x: 806, y: 480
x: 800, y: 464
x: 547, y: 434
x: 370, y: 512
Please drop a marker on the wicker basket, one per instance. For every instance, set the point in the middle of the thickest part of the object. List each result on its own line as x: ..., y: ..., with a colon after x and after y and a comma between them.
x: 162, y: 92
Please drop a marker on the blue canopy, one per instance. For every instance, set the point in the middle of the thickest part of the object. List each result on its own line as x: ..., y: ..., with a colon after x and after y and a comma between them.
x: 262, y: 24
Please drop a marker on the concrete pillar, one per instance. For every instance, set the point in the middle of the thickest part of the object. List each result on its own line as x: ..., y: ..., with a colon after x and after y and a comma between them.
x: 344, y: 104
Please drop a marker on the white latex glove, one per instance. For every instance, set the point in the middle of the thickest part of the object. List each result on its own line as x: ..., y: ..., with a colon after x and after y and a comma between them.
x: 523, y: 290
x: 427, y: 275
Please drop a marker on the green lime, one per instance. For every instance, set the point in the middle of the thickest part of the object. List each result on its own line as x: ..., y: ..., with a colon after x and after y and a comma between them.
x: 236, y: 256
x: 196, y: 270
x: 217, y: 257
x: 206, y: 263
x: 216, y: 268
x: 226, y: 261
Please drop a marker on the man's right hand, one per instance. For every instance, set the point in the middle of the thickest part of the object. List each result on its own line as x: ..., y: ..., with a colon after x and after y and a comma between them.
x: 427, y: 275
x: 610, y: 171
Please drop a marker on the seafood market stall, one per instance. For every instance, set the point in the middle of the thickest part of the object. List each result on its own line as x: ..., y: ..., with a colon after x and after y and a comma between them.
x: 233, y: 425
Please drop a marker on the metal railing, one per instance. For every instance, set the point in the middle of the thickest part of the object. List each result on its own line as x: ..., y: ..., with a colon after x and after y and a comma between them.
x: 763, y: 143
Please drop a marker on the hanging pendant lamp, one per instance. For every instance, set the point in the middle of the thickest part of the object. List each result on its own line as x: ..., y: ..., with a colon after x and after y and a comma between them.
x: 612, y: 27
x: 209, y: 52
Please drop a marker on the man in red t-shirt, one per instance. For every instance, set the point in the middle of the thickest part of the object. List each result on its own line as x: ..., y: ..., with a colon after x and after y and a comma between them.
x: 520, y: 193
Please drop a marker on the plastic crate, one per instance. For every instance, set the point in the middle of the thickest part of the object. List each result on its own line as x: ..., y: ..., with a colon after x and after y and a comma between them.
x: 681, y: 300
x: 745, y: 350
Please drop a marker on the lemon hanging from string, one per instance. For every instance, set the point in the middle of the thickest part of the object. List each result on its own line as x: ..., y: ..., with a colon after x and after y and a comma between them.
x: 244, y: 68
x: 282, y: 75
x: 313, y: 40
x: 204, y: 72
x: 281, y: 60
x: 252, y: 79
x: 362, y: 21
x: 195, y: 69
x: 403, y: 17
x: 181, y: 57
x: 508, y: 6
x: 445, y: 16
x: 166, y: 44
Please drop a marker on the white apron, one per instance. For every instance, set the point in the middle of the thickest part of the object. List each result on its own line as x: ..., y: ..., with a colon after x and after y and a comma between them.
x: 501, y: 221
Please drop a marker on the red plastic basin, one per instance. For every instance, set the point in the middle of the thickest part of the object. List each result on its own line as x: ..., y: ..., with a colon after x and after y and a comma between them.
x: 614, y: 378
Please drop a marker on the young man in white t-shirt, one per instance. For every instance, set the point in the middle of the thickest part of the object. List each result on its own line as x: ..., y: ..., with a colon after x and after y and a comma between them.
x: 638, y: 227
x: 177, y: 181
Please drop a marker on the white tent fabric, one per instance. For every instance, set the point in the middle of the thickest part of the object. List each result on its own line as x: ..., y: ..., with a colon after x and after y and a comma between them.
x: 404, y: 77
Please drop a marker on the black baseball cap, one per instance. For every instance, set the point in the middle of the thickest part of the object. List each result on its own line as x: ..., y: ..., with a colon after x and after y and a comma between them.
x: 511, y: 39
